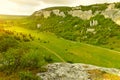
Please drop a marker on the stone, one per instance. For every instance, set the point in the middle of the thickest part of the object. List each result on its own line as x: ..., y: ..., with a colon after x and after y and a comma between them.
x: 46, y: 14
x: 90, y: 30
x: 85, y: 15
x: 111, y: 6
x: 38, y: 13
x: 38, y: 26
x: 110, y: 13
x: 76, y: 71
x: 93, y: 23
x: 43, y: 13
x: 58, y: 13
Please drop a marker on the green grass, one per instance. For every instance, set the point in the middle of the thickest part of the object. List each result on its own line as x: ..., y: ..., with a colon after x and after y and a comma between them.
x: 72, y: 51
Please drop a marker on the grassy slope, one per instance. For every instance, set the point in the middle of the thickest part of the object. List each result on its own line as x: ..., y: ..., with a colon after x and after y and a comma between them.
x: 74, y: 51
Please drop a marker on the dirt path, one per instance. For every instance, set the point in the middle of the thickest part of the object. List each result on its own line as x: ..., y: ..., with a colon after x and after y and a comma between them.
x: 53, y: 53
x: 22, y: 30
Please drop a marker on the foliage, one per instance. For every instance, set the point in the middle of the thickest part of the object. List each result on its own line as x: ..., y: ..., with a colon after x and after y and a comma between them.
x: 7, y: 42
x: 28, y: 76
x: 12, y: 59
x: 117, y: 5
x: 32, y: 60
x: 95, y: 7
x: 48, y: 59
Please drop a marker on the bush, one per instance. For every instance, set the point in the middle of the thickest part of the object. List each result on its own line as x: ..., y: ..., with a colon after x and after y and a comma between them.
x: 32, y: 59
x: 48, y: 59
x: 11, y: 59
x: 7, y: 42
x: 28, y: 76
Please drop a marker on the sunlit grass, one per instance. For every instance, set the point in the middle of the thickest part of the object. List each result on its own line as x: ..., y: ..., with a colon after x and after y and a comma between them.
x: 73, y: 51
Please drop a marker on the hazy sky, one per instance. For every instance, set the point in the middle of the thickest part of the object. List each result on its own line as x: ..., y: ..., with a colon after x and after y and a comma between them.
x: 27, y: 7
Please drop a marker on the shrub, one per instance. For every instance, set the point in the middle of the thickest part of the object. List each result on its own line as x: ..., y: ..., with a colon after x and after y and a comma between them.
x: 32, y: 59
x: 7, y: 42
x: 48, y: 59
x: 11, y: 59
x: 28, y: 76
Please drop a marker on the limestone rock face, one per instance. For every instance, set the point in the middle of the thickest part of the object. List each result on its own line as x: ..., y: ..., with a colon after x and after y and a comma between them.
x: 58, y: 13
x: 46, y: 14
x: 38, y: 13
x: 38, y: 26
x: 90, y: 30
x: 112, y: 12
x: 77, y: 71
x: 111, y: 6
x: 85, y: 15
x: 93, y: 23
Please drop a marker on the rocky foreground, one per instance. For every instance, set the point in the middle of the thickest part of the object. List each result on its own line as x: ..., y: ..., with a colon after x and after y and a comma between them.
x: 78, y: 71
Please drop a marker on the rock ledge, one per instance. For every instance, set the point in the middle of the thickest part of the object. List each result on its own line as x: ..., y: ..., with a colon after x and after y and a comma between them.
x: 78, y: 71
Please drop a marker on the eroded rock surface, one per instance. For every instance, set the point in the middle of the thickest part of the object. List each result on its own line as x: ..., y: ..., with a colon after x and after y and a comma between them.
x: 110, y: 12
x: 85, y: 15
x: 78, y: 71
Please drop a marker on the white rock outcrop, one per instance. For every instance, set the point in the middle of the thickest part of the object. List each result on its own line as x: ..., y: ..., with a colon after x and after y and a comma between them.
x: 90, y: 30
x: 58, y: 13
x: 85, y: 15
x: 38, y: 13
x: 77, y: 71
x: 43, y: 13
x: 38, y: 26
x: 46, y: 14
x: 93, y: 23
x: 112, y: 12
x: 111, y: 6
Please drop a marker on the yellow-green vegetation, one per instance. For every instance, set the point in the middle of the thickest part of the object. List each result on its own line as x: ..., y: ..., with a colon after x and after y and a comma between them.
x: 101, y: 75
x: 24, y: 48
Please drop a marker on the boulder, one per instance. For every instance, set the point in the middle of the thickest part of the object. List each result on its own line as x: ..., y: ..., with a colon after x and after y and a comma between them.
x: 77, y: 71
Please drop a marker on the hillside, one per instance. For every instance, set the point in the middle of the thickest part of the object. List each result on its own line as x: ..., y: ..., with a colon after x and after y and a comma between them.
x: 83, y: 34
x: 95, y: 24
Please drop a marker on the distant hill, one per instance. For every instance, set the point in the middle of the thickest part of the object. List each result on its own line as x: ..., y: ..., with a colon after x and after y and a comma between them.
x: 95, y: 24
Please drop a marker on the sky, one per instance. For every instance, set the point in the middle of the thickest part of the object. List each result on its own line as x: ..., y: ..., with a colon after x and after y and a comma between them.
x: 27, y: 7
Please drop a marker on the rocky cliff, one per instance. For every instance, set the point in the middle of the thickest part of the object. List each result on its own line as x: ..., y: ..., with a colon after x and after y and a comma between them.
x: 109, y: 12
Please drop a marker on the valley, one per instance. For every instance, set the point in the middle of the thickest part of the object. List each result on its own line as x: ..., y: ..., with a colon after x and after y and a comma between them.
x: 58, y: 35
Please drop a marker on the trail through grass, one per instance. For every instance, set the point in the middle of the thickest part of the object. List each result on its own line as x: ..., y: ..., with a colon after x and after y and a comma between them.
x: 69, y: 51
